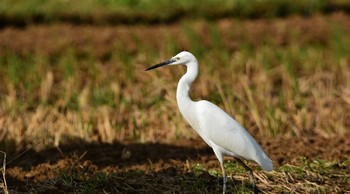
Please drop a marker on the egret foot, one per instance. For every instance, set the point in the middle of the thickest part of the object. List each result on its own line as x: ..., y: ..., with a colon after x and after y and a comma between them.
x: 224, y: 177
x: 250, y: 173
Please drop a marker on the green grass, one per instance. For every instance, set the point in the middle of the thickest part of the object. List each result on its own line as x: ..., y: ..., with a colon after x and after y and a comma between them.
x: 23, y: 12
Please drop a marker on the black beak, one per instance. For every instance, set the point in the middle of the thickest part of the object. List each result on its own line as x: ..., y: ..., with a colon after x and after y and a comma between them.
x: 161, y: 64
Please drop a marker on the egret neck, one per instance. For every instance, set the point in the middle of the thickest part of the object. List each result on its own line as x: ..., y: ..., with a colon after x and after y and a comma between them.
x: 184, y: 101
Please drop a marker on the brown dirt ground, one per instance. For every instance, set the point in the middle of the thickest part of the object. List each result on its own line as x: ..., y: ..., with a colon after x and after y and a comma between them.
x: 34, y: 167
x: 56, y: 38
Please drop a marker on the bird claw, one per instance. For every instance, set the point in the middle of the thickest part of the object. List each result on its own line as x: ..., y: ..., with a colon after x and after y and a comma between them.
x: 224, y: 188
x: 224, y: 184
x: 256, y: 191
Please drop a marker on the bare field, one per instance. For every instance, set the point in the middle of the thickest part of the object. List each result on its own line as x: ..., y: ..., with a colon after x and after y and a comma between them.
x: 78, y: 96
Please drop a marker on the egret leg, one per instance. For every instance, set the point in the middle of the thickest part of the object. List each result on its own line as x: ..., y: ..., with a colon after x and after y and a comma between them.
x: 220, y: 157
x: 250, y: 173
x: 224, y: 177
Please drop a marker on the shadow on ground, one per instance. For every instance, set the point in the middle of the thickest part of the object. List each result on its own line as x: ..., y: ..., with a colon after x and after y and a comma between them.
x: 102, y: 154
x: 117, y: 168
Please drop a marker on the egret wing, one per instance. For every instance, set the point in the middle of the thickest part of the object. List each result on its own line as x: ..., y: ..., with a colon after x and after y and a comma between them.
x: 226, y: 133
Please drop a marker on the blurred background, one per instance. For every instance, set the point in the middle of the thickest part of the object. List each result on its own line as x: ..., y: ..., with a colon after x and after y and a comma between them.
x: 72, y: 75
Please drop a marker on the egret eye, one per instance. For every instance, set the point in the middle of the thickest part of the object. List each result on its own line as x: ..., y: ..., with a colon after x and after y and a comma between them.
x: 177, y: 58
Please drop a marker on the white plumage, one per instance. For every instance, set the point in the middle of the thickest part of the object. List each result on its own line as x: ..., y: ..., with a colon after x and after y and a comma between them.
x: 219, y: 130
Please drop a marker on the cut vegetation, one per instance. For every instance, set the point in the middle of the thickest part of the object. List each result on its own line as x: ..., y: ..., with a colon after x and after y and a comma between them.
x: 77, y: 97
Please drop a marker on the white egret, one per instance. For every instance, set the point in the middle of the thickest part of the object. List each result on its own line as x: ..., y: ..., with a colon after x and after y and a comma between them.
x: 219, y: 130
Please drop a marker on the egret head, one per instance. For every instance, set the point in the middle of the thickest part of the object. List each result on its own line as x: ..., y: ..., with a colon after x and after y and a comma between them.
x: 182, y: 58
